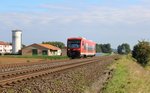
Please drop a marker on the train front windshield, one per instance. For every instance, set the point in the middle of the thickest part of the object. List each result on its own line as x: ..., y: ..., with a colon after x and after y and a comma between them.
x: 74, y: 43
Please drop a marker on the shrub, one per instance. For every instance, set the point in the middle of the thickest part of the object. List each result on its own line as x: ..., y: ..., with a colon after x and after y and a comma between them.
x: 124, y: 49
x: 141, y: 52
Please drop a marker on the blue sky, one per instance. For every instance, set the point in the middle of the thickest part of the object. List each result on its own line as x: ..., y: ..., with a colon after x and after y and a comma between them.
x: 31, y: 5
x: 103, y: 21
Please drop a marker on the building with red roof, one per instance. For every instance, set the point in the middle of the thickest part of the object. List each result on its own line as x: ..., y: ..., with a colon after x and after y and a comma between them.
x: 41, y: 49
x: 5, y: 48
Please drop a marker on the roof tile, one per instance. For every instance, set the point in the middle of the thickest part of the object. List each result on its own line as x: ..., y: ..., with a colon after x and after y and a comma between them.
x: 4, y: 43
x: 49, y: 46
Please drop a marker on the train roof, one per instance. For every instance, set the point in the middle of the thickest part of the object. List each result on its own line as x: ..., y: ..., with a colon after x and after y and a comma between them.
x: 76, y: 38
x: 79, y: 38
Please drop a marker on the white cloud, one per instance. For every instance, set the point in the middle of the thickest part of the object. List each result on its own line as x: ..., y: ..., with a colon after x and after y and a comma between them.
x: 106, y: 15
x: 103, y: 15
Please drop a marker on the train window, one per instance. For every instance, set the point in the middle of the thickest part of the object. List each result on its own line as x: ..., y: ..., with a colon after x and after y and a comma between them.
x: 91, y: 48
x: 74, y: 43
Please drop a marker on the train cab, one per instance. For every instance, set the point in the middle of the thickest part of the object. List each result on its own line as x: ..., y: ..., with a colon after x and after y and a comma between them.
x: 80, y: 47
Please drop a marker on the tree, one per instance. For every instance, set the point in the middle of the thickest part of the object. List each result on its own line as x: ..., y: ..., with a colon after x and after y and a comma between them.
x: 98, y: 48
x: 141, y: 52
x: 55, y: 43
x: 124, y: 49
x: 106, y: 48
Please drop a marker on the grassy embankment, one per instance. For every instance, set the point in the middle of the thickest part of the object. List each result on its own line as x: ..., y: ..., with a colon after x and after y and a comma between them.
x: 129, y: 77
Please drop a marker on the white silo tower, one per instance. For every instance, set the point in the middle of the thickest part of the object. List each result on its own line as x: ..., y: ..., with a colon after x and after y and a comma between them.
x: 16, y: 41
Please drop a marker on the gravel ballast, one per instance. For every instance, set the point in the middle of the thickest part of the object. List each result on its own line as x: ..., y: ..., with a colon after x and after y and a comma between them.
x: 76, y: 80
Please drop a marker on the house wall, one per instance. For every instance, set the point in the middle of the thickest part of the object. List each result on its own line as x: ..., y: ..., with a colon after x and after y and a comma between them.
x: 54, y: 52
x: 5, y: 49
x: 64, y: 51
x: 50, y: 53
x: 28, y: 51
x: 58, y: 52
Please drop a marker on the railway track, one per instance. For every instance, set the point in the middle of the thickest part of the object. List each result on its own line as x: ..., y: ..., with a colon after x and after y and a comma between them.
x: 31, y: 71
x: 36, y: 68
x: 20, y: 66
x: 12, y: 77
x: 17, y: 66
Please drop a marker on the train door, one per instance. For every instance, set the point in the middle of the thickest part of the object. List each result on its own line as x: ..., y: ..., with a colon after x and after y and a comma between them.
x: 86, y: 50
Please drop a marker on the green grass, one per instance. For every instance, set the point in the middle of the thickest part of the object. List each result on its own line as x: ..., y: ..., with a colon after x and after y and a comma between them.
x: 36, y: 57
x: 117, y: 84
x: 128, y: 77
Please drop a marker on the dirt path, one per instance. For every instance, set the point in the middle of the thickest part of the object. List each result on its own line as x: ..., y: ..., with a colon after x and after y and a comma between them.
x: 7, y: 60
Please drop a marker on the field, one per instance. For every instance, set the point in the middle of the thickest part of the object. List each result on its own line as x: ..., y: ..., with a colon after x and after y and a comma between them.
x: 129, y: 77
x: 23, y: 59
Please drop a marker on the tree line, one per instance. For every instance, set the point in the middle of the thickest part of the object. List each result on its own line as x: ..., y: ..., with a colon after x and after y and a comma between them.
x: 55, y: 43
x: 124, y: 49
x: 104, y: 48
x: 141, y: 51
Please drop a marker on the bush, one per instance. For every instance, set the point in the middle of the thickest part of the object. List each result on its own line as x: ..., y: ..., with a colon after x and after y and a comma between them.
x: 124, y: 49
x: 141, y: 52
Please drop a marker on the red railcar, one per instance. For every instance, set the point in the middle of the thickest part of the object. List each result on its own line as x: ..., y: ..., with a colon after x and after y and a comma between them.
x: 80, y: 47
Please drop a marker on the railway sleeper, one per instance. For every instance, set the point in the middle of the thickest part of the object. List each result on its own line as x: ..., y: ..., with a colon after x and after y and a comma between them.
x: 41, y: 75
x: 19, y: 81
x: 13, y: 82
x: 23, y: 79
x: 28, y: 78
x: 3, y: 76
x: 32, y: 77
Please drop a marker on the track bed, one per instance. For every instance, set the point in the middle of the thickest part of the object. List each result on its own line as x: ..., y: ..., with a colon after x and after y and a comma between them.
x: 38, y: 72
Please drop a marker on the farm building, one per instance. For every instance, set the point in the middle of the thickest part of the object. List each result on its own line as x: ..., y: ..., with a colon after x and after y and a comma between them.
x: 5, y: 48
x: 41, y: 49
x: 64, y: 51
